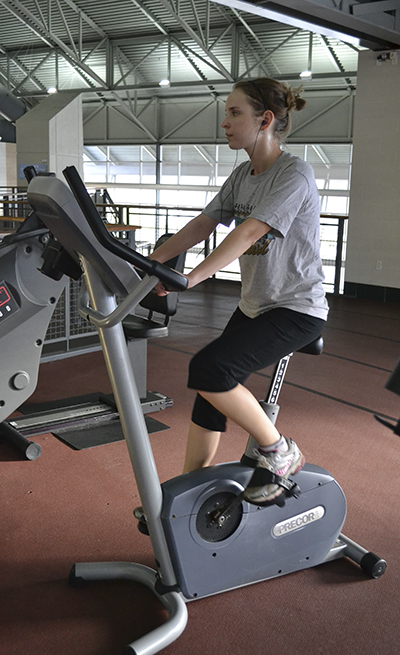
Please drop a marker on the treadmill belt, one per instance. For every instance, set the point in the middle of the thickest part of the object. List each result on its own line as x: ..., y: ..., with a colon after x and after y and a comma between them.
x: 100, y: 431
x: 34, y: 408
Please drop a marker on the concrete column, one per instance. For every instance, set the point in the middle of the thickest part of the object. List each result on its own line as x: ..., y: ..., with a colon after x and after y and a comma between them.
x: 8, y: 168
x: 50, y: 136
x: 373, y: 251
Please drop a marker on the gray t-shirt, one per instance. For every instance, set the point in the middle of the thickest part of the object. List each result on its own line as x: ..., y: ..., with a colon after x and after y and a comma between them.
x: 283, y: 268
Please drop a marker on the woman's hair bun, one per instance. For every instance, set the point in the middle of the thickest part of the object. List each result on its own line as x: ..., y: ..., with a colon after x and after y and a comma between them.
x: 293, y: 100
x: 300, y: 103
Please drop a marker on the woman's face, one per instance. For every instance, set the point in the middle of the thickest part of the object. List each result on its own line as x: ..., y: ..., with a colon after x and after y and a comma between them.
x: 240, y: 123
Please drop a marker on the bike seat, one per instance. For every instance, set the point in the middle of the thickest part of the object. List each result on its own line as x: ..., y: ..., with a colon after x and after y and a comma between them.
x: 314, y: 348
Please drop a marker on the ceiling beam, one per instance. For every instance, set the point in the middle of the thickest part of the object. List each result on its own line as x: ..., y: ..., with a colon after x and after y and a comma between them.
x: 335, y: 59
x: 200, y: 85
x: 323, y: 17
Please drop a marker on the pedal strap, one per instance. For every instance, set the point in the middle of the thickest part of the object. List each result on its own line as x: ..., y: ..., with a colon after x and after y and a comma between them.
x: 263, y: 476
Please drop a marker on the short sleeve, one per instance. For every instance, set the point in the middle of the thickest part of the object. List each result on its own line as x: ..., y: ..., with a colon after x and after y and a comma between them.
x: 280, y: 206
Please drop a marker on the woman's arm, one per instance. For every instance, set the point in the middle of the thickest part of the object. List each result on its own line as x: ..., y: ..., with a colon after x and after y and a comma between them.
x: 234, y: 245
x: 198, y: 229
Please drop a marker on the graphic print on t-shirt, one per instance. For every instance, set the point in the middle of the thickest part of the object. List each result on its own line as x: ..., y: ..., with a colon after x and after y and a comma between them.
x: 261, y: 246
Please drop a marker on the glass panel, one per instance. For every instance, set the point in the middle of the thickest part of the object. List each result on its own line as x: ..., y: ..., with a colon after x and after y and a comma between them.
x: 94, y: 171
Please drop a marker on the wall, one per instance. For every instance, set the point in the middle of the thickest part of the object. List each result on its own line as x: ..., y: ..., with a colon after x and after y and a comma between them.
x: 373, y: 252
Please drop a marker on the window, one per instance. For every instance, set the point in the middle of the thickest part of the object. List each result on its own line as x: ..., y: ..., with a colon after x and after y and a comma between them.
x: 190, y: 175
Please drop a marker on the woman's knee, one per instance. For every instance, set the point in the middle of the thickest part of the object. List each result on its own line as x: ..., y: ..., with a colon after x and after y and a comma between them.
x: 206, y: 416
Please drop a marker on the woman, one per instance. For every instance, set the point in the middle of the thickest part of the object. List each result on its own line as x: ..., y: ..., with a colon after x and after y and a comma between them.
x: 274, y: 202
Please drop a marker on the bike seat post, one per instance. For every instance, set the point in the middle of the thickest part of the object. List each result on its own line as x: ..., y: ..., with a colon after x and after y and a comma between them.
x: 269, y: 405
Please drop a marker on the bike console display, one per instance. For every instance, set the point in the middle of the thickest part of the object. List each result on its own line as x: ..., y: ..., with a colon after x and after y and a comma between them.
x: 8, y: 305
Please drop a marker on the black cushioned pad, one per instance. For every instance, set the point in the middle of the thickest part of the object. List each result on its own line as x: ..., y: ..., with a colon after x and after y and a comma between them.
x: 99, y: 435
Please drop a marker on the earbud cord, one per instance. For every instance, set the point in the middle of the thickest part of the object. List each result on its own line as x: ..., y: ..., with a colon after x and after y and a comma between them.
x: 233, y: 169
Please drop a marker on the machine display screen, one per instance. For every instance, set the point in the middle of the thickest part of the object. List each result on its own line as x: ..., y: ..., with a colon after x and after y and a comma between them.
x: 8, y: 305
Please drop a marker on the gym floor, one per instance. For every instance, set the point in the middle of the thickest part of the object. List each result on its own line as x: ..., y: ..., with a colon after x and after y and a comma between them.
x: 76, y: 505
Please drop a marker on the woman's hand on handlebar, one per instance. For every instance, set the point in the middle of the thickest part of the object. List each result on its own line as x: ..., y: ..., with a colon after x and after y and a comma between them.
x: 161, y: 290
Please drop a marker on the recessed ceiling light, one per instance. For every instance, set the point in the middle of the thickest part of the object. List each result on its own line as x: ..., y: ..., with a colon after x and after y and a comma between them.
x: 164, y: 83
x: 52, y: 89
x: 306, y: 75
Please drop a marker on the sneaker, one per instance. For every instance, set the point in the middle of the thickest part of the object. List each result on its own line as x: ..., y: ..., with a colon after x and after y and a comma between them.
x: 141, y: 517
x: 139, y: 514
x: 280, y: 463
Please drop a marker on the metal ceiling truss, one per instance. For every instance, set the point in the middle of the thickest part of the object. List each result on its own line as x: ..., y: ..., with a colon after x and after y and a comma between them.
x: 10, y: 79
x: 348, y: 98
x: 187, y: 120
x: 41, y: 26
x: 77, y: 52
x: 265, y: 56
x: 190, y: 57
x: 117, y: 59
x: 217, y: 44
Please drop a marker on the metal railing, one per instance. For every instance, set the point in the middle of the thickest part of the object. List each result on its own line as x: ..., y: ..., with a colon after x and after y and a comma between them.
x: 155, y: 221
x: 68, y: 332
x: 152, y: 221
x: 333, y: 242
x: 13, y: 208
x: 158, y: 220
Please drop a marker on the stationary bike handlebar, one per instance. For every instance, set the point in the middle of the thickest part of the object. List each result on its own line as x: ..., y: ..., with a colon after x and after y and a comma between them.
x: 172, y: 280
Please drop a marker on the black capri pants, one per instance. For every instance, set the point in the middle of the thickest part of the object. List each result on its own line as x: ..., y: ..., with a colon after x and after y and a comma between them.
x: 245, y: 346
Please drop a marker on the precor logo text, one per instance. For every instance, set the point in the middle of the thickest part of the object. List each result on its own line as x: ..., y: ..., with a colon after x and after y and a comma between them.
x: 299, y: 521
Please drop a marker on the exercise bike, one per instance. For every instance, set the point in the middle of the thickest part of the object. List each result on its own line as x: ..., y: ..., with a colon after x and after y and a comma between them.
x: 206, y: 538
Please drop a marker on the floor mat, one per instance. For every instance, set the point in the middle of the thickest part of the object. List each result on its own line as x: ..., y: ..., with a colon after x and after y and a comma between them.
x: 99, y: 435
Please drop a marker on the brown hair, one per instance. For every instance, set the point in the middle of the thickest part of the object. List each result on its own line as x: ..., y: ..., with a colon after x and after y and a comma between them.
x: 266, y: 94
